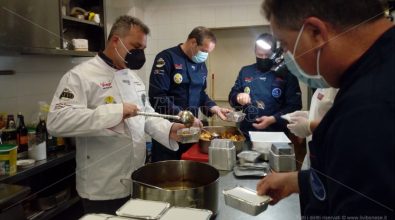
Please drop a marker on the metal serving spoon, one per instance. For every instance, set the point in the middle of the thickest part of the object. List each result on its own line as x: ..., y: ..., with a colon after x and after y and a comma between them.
x: 185, y: 117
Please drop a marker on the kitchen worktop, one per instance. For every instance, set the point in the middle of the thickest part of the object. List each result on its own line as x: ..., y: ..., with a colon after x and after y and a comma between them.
x: 286, y: 209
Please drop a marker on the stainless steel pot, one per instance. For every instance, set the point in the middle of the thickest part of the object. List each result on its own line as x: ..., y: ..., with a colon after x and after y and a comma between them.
x: 221, y: 130
x: 179, y: 182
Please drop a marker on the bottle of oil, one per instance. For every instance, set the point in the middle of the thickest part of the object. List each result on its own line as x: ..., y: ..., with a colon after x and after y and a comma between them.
x: 22, y: 139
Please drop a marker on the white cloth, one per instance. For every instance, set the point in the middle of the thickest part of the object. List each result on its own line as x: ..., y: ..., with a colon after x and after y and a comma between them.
x: 321, y: 102
x: 88, y: 104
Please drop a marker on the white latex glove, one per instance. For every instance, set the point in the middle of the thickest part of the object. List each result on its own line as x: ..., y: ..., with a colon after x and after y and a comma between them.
x: 304, y: 114
x: 300, y: 126
x: 243, y: 98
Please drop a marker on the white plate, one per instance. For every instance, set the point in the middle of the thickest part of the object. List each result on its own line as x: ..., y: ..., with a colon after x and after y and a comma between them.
x: 143, y: 209
x: 178, y: 213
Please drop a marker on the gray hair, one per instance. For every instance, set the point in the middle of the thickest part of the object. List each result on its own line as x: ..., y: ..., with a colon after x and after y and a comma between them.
x: 123, y: 24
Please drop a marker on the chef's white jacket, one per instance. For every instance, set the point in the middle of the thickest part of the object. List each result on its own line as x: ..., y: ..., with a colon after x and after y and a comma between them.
x: 321, y: 102
x: 88, y: 105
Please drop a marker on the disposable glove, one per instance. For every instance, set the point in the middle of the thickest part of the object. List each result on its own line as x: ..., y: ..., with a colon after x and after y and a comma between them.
x: 300, y: 126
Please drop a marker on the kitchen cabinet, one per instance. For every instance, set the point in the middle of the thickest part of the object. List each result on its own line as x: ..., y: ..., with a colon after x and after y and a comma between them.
x: 52, y: 187
x: 48, y: 27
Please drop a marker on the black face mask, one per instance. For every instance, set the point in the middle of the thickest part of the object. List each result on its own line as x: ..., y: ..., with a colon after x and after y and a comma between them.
x: 135, y: 59
x: 264, y: 65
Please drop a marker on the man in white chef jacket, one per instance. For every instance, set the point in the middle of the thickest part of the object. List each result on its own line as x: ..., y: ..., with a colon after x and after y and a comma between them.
x: 97, y: 102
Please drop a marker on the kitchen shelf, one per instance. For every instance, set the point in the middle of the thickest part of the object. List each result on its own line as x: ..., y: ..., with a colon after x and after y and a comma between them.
x: 51, y: 213
x: 44, y: 51
x: 39, y: 166
x: 81, y: 21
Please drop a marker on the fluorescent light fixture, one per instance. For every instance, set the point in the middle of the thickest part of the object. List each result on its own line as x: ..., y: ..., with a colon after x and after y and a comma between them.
x: 263, y: 44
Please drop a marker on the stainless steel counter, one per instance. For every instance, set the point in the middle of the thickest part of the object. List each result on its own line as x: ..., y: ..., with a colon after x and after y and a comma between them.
x: 286, y: 209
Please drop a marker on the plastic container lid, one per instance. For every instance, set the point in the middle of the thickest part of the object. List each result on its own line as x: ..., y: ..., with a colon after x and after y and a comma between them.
x: 7, y: 147
x: 137, y: 208
x: 178, y: 213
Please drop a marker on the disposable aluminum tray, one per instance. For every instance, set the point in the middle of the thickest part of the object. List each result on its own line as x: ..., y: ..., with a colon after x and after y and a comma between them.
x: 179, y: 213
x: 102, y: 217
x: 246, y: 200
x: 235, y: 116
x: 189, y: 135
x: 143, y: 209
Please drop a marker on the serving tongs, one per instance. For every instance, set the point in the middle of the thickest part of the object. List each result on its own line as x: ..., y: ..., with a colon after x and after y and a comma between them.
x: 185, y: 117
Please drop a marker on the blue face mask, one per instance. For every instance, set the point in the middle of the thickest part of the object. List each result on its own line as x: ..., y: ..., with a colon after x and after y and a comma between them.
x: 200, y: 57
x: 313, y: 81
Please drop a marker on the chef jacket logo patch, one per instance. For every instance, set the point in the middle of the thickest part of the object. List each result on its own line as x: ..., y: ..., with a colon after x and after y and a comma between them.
x: 109, y: 100
x: 276, y: 92
x: 159, y: 72
x: 66, y: 94
x: 106, y: 85
x: 178, y: 66
x: 320, y: 96
x: 248, y: 79
x: 193, y: 67
x: 160, y: 63
x: 247, y: 90
x: 177, y: 78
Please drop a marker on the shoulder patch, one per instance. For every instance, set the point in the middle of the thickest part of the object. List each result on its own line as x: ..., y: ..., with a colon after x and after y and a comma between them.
x: 160, y: 63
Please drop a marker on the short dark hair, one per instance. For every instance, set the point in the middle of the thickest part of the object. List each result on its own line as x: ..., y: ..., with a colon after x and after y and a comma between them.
x: 123, y: 24
x: 200, y: 33
x: 269, y: 39
x: 340, y: 13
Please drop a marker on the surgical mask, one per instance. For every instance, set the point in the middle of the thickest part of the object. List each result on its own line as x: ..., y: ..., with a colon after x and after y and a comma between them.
x: 314, y: 81
x: 200, y: 57
x: 134, y: 59
x: 264, y: 65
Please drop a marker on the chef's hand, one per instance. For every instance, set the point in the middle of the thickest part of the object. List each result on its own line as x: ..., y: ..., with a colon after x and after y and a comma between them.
x: 264, y: 122
x: 221, y: 112
x: 278, y: 185
x: 197, y: 123
x: 299, y: 126
x: 129, y: 110
x: 304, y: 114
x: 243, y: 98
x: 173, y: 131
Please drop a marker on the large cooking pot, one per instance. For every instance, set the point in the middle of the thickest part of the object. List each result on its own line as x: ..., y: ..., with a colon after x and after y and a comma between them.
x: 179, y: 182
x: 222, y: 130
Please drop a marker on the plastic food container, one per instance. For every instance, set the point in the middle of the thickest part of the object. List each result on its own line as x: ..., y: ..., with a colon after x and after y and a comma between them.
x: 235, y: 116
x: 262, y: 141
x: 178, y: 213
x: 248, y: 156
x: 189, y: 135
x: 282, y: 157
x: 8, y: 155
x: 143, y: 209
x: 246, y: 200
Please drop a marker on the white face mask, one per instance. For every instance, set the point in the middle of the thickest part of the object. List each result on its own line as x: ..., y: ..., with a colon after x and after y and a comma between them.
x: 295, y: 69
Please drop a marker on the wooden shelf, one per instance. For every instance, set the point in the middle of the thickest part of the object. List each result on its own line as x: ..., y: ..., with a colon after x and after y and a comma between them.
x: 81, y: 21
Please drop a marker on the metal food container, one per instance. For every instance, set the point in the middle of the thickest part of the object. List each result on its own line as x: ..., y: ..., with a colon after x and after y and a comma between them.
x: 224, y: 132
x: 189, y: 135
x: 102, y: 217
x: 248, y: 156
x: 282, y: 157
x: 181, y: 183
x: 179, y: 213
x: 222, y: 154
x: 246, y: 200
x: 235, y: 116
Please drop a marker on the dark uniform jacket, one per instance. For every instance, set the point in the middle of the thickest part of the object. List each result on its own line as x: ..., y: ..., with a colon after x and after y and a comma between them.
x: 352, y: 152
x: 177, y: 83
x: 278, y: 91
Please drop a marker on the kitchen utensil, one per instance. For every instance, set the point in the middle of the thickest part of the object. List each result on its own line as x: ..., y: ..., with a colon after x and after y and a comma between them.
x: 235, y: 116
x: 246, y: 200
x: 213, y: 134
x: 184, y: 183
x: 222, y: 131
x: 185, y: 117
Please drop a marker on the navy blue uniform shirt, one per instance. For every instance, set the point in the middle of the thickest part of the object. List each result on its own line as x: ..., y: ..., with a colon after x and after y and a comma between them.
x: 352, y: 152
x: 280, y: 93
x: 177, y: 83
